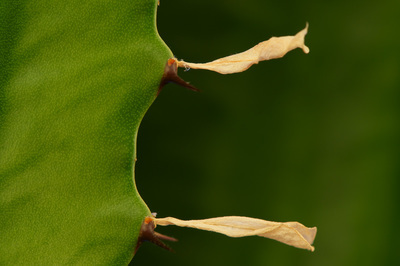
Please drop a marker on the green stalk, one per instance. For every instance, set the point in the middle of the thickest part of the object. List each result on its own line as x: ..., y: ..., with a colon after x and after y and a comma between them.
x: 76, y: 79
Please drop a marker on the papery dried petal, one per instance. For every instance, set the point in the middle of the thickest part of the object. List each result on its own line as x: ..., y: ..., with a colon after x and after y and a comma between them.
x: 290, y: 233
x: 275, y: 47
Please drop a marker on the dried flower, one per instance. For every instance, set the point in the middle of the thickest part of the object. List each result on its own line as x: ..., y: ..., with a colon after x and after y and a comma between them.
x: 275, y: 47
x: 290, y: 233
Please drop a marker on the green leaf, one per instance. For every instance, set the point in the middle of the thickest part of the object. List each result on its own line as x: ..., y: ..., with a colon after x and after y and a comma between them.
x: 76, y: 78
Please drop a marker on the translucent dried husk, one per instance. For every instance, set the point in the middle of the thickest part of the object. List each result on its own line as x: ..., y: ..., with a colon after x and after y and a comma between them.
x: 275, y: 47
x: 290, y: 233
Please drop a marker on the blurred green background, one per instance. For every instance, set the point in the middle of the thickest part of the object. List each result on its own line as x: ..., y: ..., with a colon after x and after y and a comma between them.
x: 310, y: 138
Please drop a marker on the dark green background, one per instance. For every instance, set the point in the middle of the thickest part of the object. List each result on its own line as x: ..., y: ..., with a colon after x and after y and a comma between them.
x: 312, y: 138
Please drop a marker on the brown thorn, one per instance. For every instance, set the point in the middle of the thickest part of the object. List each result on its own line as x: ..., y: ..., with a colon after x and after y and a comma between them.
x: 164, y: 237
x: 171, y: 75
x: 147, y: 233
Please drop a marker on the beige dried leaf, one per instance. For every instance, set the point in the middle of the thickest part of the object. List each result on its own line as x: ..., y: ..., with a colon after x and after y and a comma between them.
x: 275, y: 47
x: 290, y: 233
